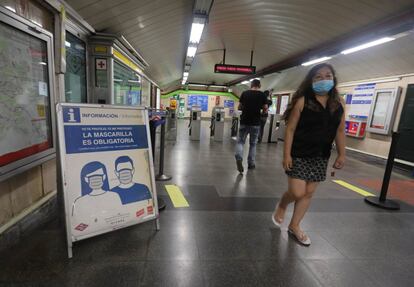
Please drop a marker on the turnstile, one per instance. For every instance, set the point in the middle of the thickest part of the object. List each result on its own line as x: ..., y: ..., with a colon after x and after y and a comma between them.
x: 195, y: 123
x: 279, y: 128
x: 235, y: 121
x: 171, y: 125
x: 217, y: 123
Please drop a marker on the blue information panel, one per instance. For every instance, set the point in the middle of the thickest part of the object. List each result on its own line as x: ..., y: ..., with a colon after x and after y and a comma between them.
x: 229, y: 104
x: 198, y: 100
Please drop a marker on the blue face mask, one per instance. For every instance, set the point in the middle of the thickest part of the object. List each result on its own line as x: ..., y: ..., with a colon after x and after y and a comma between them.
x: 322, y: 87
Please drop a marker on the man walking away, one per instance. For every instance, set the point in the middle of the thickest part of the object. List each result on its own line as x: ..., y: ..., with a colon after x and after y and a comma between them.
x: 251, y: 104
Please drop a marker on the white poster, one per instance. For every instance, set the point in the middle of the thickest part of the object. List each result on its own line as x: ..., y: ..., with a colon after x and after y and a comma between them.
x: 360, y: 102
x: 107, y: 168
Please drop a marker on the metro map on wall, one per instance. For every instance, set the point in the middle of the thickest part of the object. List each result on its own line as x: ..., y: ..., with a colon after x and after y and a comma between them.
x: 198, y: 100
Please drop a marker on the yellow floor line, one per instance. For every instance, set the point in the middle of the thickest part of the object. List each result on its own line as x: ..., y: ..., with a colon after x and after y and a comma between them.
x: 177, y: 197
x: 353, y: 188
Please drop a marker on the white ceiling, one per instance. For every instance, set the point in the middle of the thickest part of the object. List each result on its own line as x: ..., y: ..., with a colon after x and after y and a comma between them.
x: 274, y: 29
x: 390, y: 59
x: 158, y: 30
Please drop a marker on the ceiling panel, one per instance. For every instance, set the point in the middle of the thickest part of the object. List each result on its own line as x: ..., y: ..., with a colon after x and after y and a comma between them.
x: 274, y: 29
x: 158, y: 29
x: 390, y: 59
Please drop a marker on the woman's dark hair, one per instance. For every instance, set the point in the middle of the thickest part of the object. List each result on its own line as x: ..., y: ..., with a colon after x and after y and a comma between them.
x: 305, y: 90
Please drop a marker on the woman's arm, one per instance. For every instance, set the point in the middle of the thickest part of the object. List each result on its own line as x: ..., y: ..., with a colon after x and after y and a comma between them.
x: 340, y: 141
x: 290, y: 131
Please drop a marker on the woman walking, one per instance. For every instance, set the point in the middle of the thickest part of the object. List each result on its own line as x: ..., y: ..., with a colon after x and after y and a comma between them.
x: 315, y: 118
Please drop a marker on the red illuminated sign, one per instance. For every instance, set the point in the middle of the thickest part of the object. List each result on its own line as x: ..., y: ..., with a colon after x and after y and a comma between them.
x: 234, y: 69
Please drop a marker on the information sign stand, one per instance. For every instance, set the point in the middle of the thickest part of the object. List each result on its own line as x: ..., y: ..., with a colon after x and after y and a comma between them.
x: 106, y: 168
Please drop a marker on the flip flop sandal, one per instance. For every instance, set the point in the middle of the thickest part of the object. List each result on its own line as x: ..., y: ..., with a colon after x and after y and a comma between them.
x: 306, y: 242
x: 273, y: 217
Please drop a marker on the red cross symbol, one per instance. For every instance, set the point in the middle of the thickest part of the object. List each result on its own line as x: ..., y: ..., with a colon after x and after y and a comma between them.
x: 101, y: 64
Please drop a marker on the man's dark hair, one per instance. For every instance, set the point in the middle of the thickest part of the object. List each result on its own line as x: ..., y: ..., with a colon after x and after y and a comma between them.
x: 123, y: 159
x: 255, y: 84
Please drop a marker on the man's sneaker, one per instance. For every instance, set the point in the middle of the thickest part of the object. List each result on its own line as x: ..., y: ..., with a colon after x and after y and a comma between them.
x: 251, y: 166
x: 240, y: 165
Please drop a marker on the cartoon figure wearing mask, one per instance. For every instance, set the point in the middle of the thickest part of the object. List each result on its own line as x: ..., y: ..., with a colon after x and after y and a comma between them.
x: 128, y: 190
x: 96, y: 202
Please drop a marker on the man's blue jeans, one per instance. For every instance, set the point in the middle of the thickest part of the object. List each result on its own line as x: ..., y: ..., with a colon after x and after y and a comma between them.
x: 254, y: 134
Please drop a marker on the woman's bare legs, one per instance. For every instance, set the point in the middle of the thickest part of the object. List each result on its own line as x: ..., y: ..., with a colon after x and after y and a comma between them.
x: 296, y: 190
x: 301, y: 206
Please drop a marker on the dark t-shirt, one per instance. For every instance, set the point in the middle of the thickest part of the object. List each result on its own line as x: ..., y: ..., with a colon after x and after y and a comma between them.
x: 252, y: 102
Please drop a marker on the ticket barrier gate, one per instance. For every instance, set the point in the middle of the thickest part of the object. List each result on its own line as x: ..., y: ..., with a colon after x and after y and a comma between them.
x: 267, y: 130
x: 171, y: 125
x: 217, y: 123
x: 235, y: 120
x: 279, y: 128
x: 271, y: 132
x: 195, y: 123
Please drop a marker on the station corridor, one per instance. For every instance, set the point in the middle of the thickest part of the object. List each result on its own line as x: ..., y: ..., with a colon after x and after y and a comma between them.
x: 226, y: 237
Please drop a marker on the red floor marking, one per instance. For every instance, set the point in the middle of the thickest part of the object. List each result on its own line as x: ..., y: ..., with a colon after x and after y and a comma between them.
x: 398, y: 189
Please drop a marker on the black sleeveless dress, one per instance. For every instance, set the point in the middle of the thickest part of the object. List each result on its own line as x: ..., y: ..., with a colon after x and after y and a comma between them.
x: 312, y: 141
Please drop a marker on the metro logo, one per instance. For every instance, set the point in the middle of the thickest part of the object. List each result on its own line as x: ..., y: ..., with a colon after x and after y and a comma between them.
x: 81, y: 227
x: 140, y: 213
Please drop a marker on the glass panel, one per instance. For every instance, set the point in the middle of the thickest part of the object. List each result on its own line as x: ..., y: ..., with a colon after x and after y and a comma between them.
x: 127, y: 86
x: 75, y: 77
x: 25, y: 125
x: 146, y: 92
x: 379, y: 115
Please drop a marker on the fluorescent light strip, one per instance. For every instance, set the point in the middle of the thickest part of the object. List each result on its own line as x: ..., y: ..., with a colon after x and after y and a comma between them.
x: 222, y: 87
x: 10, y: 8
x: 245, y: 82
x: 185, y: 74
x: 197, y: 85
x: 367, y: 45
x: 196, y: 32
x: 316, y: 61
x: 191, y: 51
x: 254, y: 79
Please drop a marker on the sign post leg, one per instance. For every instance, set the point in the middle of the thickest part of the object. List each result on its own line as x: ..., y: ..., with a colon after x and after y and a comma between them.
x: 70, y: 250
x: 382, y: 200
x: 157, y: 224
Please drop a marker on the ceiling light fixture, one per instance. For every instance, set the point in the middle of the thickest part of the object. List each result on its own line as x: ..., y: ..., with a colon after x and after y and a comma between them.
x: 367, y: 45
x: 197, y: 27
x: 323, y: 59
x: 197, y: 85
x: 218, y: 86
x: 196, y: 32
x: 245, y: 82
x: 191, y: 51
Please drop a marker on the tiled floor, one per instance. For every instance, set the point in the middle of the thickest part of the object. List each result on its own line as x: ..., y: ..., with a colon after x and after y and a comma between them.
x: 226, y: 238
